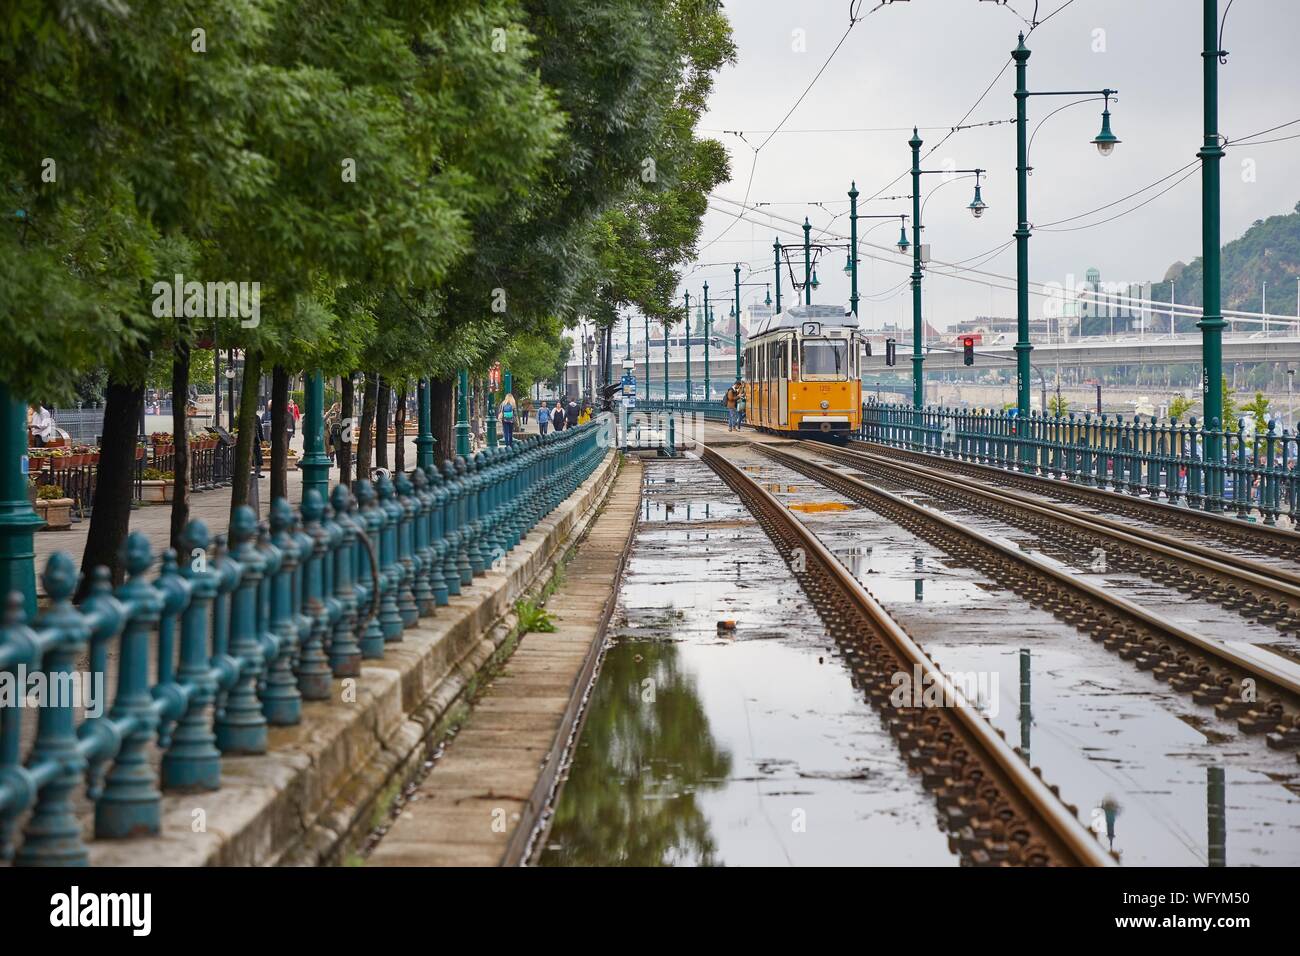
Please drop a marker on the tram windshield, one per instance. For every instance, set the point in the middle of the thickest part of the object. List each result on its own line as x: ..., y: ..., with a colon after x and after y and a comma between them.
x: 825, y: 361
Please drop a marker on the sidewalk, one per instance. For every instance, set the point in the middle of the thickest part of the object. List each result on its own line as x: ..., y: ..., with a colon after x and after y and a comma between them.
x: 480, y: 802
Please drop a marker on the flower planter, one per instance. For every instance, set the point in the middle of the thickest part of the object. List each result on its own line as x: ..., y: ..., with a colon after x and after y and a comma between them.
x: 155, y: 491
x: 56, y: 513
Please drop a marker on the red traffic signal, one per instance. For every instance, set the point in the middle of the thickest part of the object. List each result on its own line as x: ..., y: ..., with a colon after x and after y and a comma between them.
x: 968, y: 346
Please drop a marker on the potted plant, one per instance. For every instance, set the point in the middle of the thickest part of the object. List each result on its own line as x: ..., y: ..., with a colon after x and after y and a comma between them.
x: 155, y: 486
x: 53, y: 507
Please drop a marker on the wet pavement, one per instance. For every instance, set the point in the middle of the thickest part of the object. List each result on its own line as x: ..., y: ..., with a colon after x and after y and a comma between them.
x: 1120, y: 744
x: 749, y: 735
x: 704, y: 745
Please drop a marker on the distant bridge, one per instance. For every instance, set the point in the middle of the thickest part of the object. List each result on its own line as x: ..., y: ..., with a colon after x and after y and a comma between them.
x: 1181, y: 349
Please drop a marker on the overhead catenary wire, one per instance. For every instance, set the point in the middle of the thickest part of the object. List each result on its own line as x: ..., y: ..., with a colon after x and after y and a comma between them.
x: 1038, y: 289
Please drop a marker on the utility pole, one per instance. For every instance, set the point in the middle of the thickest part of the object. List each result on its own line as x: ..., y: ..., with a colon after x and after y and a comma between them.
x: 462, y: 413
x: 853, y: 249
x: 1211, y: 324
x: 708, y: 328
x: 738, y: 320
x: 776, y: 259
x: 807, y: 261
x: 688, y: 346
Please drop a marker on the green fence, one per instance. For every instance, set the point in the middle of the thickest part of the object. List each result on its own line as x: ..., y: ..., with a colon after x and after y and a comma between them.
x: 1246, y: 472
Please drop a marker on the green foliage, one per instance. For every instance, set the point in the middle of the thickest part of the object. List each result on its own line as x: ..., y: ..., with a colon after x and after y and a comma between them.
x: 1258, y: 408
x: 1230, y: 408
x: 1268, y: 252
x: 48, y: 492
x: 498, y: 150
x: 1058, y: 405
x: 1179, y: 406
x: 533, y: 619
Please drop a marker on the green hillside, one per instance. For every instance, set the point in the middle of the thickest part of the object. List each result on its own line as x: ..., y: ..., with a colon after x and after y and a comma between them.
x: 1268, y: 252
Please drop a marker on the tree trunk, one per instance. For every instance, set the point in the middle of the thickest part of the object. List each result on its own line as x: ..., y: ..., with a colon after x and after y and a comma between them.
x: 110, y: 517
x: 279, y: 432
x: 381, y: 424
x: 180, y: 435
x: 365, y: 443
x: 346, y: 407
x: 243, y: 462
x: 399, y: 426
x: 443, y: 414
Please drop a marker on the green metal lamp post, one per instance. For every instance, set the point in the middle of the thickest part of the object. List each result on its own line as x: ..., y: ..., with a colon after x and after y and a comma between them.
x: 1105, y: 142
x: 18, y: 520
x: 853, y: 247
x: 462, y: 413
x: 708, y: 327
x: 315, y: 464
x: 1212, y: 323
x: 627, y: 352
x: 667, y: 326
x: 776, y: 259
x: 807, y: 261
x: 688, y: 346
x: 424, y: 441
x: 851, y: 263
x: 737, y: 322
x: 977, y: 207
x: 490, y: 413
x: 646, y: 373
x: 507, y: 382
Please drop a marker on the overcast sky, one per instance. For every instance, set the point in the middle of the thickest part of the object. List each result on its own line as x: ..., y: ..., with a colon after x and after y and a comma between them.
x: 925, y: 63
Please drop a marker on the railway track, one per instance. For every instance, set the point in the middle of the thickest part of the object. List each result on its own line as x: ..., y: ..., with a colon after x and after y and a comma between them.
x: 1228, y: 532
x: 998, y: 811
x: 1247, y: 586
x: 1261, y: 697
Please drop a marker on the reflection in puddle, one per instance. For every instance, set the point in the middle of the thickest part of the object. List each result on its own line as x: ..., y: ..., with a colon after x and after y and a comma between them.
x: 819, y: 507
x: 1153, y: 787
x: 707, y: 746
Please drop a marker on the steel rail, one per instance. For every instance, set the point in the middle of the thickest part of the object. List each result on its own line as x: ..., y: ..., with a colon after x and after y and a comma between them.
x: 1275, y: 592
x: 1260, y: 538
x: 1021, y: 819
x: 1212, y: 672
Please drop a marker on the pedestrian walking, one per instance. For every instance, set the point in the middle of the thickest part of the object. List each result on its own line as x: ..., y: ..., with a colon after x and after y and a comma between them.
x: 259, y: 430
x: 558, y: 417
x: 508, y: 410
x: 732, y: 401
x: 525, y: 407
x: 334, y: 433
x: 543, y: 419
x: 571, y: 413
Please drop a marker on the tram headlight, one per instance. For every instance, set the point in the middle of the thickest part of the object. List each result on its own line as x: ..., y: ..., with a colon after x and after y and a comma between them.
x: 825, y: 404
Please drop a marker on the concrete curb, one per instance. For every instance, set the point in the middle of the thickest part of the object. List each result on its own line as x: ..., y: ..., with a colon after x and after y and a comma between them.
x: 330, y: 777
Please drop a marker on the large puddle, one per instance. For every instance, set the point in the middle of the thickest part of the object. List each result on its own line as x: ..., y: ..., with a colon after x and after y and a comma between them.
x: 709, y: 746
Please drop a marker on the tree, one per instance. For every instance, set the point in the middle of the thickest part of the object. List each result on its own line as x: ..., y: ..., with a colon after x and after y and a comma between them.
x: 1230, y: 409
x: 1179, y: 406
x: 1058, y: 405
x: 1258, y: 410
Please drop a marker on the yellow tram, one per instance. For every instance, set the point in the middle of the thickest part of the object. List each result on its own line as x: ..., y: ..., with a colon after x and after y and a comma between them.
x: 802, y: 373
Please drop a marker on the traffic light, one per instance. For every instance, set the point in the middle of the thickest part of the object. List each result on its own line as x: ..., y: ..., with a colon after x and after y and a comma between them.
x: 890, y: 352
x: 968, y: 343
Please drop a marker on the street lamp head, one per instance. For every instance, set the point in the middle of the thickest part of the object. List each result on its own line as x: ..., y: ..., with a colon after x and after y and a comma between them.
x: 977, y: 205
x: 767, y: 299
x: 1106, y: 140
x: 814, y: 283
x: 902, y: 236
x: 848, y: 264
